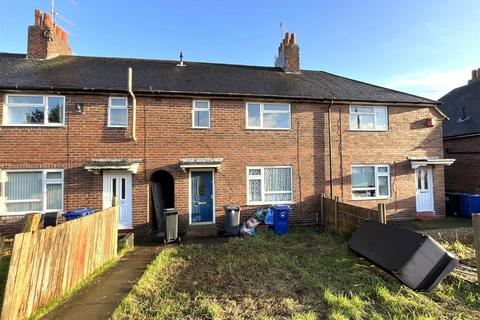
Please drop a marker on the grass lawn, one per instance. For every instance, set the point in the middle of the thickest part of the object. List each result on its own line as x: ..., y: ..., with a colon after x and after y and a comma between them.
x: 306, y: 274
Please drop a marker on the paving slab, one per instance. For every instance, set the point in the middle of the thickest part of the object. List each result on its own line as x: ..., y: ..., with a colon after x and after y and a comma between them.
x: 99, y: 298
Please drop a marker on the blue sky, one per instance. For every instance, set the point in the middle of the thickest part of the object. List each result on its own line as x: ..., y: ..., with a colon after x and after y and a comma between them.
x: 425, y: 47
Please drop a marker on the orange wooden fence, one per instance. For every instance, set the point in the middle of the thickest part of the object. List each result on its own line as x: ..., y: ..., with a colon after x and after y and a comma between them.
x: 46, y: 264
x: 346, y: 217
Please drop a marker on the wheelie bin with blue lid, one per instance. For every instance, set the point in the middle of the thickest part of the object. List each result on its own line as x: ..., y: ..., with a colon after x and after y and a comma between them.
x: 280, y: 218
x: 78, y: 213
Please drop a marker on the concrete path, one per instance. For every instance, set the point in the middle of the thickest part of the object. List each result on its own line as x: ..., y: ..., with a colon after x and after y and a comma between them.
x: 99, y: 298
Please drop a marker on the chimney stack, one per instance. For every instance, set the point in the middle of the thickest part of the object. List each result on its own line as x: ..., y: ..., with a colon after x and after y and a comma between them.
x: 46, y: 39
x: 288, y: 54
x: 475, y: 75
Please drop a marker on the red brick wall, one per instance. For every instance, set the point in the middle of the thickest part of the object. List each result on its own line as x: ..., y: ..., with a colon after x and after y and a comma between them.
x: 464, y: 174
x: 407, y: 136
x: 39, y: 47
x: 170, y: 137
x: 164, y: 135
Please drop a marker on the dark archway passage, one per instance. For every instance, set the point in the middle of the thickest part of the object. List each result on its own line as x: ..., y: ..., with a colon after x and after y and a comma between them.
x: 162, y: 195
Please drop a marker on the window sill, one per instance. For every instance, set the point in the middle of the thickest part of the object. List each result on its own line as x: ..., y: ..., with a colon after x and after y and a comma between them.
x: 269, y: 203
x: 200, y: 128
x: 372, y: 198
x: 268, y: 129
x: 368, y: 130
x: 22, y: 213
x: 117, y: 127
x: 34, y: 125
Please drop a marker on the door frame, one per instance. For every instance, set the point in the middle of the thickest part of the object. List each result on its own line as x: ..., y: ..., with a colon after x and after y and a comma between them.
x: 212, y: 170
x: 430, y: 183
x: 129, y: 187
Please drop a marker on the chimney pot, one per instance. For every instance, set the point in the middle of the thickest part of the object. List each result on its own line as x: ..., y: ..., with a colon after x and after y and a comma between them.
x: 47, y: 20
x: 38, y: 17
x: 292, y: 38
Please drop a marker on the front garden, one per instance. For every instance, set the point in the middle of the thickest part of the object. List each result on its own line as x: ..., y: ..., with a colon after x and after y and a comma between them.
x: 306, y: 274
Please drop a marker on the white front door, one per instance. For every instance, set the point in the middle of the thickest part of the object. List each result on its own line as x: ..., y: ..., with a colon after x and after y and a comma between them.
x: 118, y: 183
x: 424, y: 185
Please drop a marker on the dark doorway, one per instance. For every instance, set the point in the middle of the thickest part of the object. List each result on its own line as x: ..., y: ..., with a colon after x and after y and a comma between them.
x: 162, y: 195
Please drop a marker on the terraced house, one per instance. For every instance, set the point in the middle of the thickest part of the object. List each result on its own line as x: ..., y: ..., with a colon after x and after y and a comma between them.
x: 74, y: 135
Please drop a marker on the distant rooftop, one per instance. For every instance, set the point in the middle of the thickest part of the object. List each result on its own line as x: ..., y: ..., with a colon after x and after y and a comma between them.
x: 462, y: 106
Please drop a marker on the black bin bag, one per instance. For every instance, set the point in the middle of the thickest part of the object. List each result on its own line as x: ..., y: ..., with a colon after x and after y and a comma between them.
x: 415, y: 259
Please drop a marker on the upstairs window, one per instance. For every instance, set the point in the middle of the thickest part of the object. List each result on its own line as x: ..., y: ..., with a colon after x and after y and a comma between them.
x: 370, y: 182
x: 368, y: 118
x: 26, y: 191
x: 269, y: 185
x: 118, y: 112
x: 268, y: 116
x: 201, y: 114
x: 31, y: 110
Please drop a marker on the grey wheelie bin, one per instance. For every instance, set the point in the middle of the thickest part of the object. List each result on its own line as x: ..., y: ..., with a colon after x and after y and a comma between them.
x: 171, y: 225
x: 232, y: 220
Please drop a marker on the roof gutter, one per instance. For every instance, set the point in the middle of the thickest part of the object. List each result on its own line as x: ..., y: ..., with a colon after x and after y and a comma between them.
x: 134, y: 106
x: 225, y: 94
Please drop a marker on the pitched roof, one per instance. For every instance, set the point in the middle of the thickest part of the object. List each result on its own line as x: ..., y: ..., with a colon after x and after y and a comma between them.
x: 160, y: 76
x: 467, y: 97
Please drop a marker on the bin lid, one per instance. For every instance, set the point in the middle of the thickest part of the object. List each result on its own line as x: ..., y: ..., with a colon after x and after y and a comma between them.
x: 281, y: 207
x: 170, y: 211
x: 79, y: 212
x: 232, y: 207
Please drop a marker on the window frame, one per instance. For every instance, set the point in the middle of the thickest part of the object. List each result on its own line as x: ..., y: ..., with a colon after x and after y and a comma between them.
x: 377, y: 174
x: 262, y: 111
x: 45, y: 182
x: 194, y: 108
x: 44, y: 105
x: 262, y: 185
x: 110, y: 107
x: 375, y: 128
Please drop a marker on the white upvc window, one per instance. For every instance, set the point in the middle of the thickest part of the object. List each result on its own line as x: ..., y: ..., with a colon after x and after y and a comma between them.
x: 368, y: 118
x: 370, y: 182
x: 118, y: 112
x: 269, y: 185
x: 34, y: 110
x: 32, y: 190
x: 201, y: 114
x: 268, y: 116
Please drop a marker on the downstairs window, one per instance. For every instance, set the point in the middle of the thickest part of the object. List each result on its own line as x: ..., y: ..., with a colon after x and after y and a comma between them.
x: 25, y: 191
x: 370, y: 182
x: 266, y: 185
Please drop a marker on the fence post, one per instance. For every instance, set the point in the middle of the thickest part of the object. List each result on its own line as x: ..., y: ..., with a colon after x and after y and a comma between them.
x: 114, y: 201
x: 2, y: 242
x: 32, y: 222
x: 476, y: 241
x: 384, y: 213
x: 335, y: 212
x: 382, y: 217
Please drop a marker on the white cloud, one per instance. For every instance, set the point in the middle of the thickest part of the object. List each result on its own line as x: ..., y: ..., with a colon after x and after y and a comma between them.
x: 430, y: 84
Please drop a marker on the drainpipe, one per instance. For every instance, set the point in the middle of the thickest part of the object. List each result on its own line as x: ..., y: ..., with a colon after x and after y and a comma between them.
x: 330, y: 147
x: 134, y: 106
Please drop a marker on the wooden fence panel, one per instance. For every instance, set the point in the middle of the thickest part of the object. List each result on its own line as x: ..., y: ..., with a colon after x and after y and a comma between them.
x: 47, y: 263
x: 347, y: 217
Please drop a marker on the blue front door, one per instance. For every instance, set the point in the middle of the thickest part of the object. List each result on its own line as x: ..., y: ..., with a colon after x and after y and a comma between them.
x: 202, y: 196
